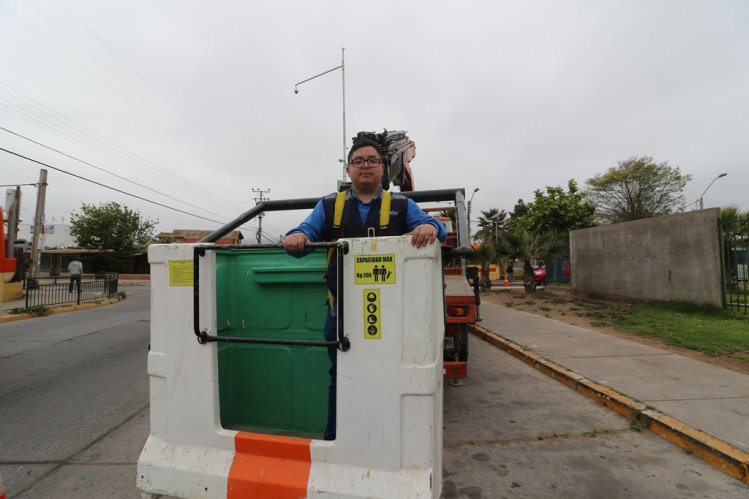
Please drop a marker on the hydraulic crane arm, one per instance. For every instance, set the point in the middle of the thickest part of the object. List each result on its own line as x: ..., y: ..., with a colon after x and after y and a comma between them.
x: 397, y: 151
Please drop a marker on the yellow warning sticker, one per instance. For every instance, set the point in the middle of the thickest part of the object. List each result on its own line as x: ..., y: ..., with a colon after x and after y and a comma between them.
x: 372, y: 323
x: 180, y: 273
x: 374, y: 269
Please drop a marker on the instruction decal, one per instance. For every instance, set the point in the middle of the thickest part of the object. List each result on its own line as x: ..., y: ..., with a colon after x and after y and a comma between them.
x: 372, y: 323
x: 180, y: 273
x: 374, y: 269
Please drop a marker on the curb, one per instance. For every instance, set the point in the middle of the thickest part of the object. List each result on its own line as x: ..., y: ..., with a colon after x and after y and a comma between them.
x: 7, y: 317
x: 725, y: 457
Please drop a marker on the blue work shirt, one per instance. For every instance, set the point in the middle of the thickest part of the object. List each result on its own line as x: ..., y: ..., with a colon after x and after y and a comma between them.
x: 313, y: 225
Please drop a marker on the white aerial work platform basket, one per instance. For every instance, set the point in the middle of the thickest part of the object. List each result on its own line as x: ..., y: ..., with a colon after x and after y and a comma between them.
x: 389, y: 382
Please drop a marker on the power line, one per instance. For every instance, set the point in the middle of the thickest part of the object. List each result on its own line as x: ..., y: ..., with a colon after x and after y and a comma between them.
x: 90, y: 137
x: 64, y: 133
x: 115, y: 75
x: 143, y: 78
x: 107, y: 186
x: 69, y: 129
x: 104, y: 170
x: 119, y: 190
x: 191, y: 143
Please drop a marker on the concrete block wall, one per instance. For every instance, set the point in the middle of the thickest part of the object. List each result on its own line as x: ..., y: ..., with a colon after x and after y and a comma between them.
x: 669, y: 258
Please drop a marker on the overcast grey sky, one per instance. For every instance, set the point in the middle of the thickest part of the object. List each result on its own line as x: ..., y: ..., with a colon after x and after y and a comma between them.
x: 195, y: 100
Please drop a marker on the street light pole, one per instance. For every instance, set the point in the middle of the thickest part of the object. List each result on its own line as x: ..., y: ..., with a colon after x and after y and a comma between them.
x: 342, y: 67
x: 469, y: 214
x: 708, y: 187
x: 495, y: 222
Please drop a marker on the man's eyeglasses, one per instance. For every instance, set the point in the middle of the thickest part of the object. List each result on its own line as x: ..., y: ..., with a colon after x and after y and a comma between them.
x: 372, y: 162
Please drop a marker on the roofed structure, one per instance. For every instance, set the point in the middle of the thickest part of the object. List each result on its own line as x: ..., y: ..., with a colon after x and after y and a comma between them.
x: 182, y: 236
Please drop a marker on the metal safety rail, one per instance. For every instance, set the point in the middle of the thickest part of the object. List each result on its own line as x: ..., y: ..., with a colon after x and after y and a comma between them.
x: 437, y: 195
x: 45, y: 291
x: 343, y: 343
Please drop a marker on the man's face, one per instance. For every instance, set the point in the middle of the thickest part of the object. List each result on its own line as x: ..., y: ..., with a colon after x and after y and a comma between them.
x: 365, y: 176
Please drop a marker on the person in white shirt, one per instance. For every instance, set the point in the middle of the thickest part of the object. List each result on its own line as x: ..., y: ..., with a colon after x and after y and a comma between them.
x: 76, y: 269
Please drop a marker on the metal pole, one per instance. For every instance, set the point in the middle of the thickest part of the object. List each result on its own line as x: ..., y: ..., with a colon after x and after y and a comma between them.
x: 708, y: 187
x: 469, y: 214
x: 12, y: 218
x: 259, y: 233
x: 343, y: 83
x: 342, y: 67
x: 40, y: 195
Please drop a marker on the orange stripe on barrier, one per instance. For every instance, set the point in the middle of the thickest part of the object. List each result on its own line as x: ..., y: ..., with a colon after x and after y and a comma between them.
x: 269, y: 466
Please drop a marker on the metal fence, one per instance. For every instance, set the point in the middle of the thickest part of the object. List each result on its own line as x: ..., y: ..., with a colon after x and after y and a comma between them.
x: 46, y: 291
x: 559, y: 273
x: 736, y: 267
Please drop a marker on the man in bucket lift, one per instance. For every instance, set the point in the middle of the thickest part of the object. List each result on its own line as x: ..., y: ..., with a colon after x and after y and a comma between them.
x: 361, y: 203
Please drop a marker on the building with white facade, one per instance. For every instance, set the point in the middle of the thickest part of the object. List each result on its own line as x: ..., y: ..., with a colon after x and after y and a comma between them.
x: 53, y: 236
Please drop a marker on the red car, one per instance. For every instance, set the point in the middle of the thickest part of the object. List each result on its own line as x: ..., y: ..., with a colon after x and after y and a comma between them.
x: 540, y: 274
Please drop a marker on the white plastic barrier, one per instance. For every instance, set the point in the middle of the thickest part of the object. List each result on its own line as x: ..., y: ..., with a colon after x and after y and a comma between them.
x: 389, y: 415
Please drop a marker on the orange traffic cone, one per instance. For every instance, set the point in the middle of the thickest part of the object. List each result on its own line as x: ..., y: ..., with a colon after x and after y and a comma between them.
x: 507, y: 281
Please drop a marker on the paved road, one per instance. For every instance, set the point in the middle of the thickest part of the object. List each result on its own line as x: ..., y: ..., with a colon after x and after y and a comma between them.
x: 73, y: 401
x: 74, y: 416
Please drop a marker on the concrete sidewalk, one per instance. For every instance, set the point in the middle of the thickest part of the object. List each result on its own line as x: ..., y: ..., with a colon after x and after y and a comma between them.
x: 705, y: 397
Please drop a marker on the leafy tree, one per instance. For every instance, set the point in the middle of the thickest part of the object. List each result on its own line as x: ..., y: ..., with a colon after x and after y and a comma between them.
x: 528, y: 245
x: 519, y: 209
x: 559, y: 211
x: 111, y: 226
x: 638, y: 188
x: 491, y: 223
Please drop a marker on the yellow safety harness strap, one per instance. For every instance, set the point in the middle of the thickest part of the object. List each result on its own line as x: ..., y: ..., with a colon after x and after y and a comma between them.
x: 340, y: 201
x: 385, y: 210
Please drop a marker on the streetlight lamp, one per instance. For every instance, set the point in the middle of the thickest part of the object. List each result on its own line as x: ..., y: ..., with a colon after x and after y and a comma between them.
x: 711, y: 183
x: 469, y: 213
x: 342, y: 67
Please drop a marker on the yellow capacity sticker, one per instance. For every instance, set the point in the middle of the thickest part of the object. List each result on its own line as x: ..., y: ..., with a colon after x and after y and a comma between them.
x: 374, y: 269
x: 180, y: 273
x: 372, y: 323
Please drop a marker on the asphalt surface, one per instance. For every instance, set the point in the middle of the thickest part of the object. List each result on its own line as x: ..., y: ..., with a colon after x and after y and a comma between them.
x: 74, y: 413
x: 73, y: 401
x: 511, y: 431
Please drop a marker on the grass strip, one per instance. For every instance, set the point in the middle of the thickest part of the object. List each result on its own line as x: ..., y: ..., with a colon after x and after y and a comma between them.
x: 714, y: 332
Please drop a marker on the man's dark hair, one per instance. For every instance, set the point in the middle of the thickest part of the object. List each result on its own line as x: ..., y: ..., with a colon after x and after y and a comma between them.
x: 360, y: 142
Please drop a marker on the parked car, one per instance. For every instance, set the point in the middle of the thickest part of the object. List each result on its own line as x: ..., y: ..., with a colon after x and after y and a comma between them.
x: 540, y: 274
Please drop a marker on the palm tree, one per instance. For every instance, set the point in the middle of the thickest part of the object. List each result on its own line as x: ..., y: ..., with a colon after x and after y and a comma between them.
x: 483, y: 255
x: 490, y: 223
x: 528, y: 245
